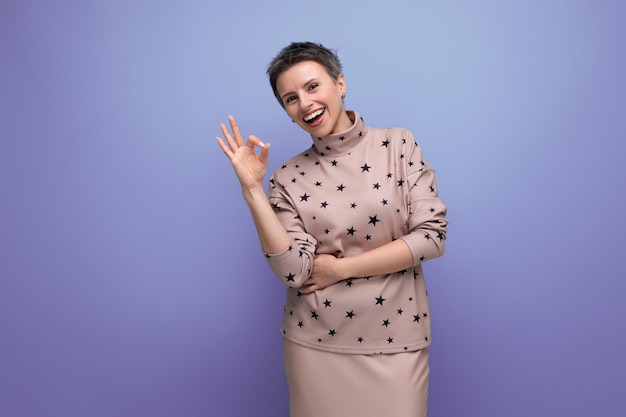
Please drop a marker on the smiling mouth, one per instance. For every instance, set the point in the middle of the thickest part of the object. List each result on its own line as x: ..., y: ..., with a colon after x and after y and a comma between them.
x: 311, y: 118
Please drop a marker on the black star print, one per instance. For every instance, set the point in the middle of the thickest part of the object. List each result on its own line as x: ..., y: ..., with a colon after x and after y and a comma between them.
x: 386, y: 323
x: 314, y: 315
x: 427, y: 236
x: 318, y: 184
x: 353, y: 205
x: 304, y: 197
x: 400, y: 311
x: 299, y: 294
x: 440, y: 236
x: 360, y: 133
x: 368, y: 237
x: 425, y: 315
x: 359, y: 339
x: 380, y: 300
x: 328, y: 148
x: 300, y: 324
x: 290, y: 277
x: 390, y: 340
x: 384, y: 201
x: 349, y: 282
x: 376, y: 186
x: 327, y: 303
x: 342, y: 138
x: 324, y: 204
x: 326, y: 231
x: 350, y: 314
x: 389, y: 175
x: 340, y: 187
x: 293, y: 180
x: 351, y: 231
x: 332, y: 332
x: 334, y: 163
x: 416, y: 317
x: 432, y: 189
x: 365, y: 168
x: 373, y: 220
x: 400, y: 182
x: 385, y: 143
x: 431, y: 209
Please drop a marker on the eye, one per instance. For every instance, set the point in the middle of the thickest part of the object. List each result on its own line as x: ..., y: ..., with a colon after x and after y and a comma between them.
x: 313, y: 86
x: 290, y: 99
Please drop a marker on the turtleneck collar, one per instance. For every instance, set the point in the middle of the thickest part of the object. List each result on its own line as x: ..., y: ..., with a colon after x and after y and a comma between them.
x: 341, y: 143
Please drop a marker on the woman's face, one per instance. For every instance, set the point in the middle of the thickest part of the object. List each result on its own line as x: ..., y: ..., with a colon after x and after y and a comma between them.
x: 312, y: 98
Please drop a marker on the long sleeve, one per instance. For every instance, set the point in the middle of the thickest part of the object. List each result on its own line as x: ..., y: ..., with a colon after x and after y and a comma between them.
x: 427, y: 222
x: 292, y: 266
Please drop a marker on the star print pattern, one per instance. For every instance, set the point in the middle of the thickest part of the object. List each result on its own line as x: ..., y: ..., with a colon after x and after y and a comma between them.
x: 349, y: 193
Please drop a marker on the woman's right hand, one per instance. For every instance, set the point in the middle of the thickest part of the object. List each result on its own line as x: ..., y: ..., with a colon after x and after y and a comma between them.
x: 249, y: 167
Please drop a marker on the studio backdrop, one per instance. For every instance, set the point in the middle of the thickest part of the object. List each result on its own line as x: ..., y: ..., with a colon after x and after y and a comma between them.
x: 131, y: 279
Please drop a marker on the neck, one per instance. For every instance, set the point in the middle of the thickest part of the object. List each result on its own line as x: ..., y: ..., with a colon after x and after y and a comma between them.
x: 344, y: 123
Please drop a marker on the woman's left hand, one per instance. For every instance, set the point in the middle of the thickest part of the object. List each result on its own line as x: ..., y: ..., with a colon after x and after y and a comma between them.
x: 326, y: 272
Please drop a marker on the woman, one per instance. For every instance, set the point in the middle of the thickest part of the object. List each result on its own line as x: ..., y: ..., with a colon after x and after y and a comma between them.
x: 346, y: 227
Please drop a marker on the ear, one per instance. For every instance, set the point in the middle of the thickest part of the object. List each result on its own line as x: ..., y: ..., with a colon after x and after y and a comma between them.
x: 341, y: 83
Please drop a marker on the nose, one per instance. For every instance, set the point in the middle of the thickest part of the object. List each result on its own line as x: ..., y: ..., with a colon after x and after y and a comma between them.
x: 305, y: 102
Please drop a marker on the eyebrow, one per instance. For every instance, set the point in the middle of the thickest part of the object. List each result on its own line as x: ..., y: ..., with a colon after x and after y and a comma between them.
x: 304, y: 85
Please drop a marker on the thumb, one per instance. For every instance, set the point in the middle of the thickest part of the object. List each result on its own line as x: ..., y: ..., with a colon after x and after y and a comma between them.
x: 265, y: 152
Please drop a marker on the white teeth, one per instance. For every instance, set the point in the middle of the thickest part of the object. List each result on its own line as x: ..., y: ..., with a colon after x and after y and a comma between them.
x: 313, y: 115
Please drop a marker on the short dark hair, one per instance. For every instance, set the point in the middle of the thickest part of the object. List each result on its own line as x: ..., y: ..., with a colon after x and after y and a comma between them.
x: 297, y: 52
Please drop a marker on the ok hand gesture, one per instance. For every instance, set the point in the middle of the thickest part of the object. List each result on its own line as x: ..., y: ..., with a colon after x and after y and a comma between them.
x: 249, y: 167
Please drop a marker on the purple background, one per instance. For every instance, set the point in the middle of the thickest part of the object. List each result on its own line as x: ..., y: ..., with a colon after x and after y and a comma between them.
x: 131, y: 280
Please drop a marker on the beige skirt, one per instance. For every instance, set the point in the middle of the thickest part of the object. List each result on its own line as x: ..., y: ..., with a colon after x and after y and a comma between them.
x: 326, y: 384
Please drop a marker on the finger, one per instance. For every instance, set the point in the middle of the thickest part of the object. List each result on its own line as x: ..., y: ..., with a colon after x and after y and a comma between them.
x: 265, y: 148
x: 225, y: 148
x: 308, y: 289
x: 254, y: 141
x: 306, y: 286
x: 228, y: 137
x: 235, y: 129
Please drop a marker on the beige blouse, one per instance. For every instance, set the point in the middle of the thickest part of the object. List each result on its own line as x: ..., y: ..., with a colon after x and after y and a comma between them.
x: 352, y: 192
